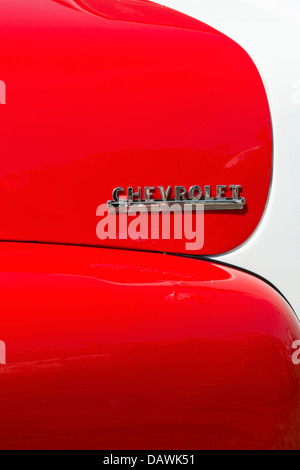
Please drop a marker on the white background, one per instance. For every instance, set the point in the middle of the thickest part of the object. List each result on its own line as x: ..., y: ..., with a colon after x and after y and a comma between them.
x: 269, y: 30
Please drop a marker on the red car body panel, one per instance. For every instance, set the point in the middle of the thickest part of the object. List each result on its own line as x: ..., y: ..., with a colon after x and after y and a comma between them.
x: 112, y: 349
x: 109, y: 348
x: 124, y: 93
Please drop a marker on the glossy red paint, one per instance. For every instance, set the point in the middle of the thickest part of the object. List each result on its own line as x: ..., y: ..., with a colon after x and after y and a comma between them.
x: 113, y: 349
x: 124, y: 93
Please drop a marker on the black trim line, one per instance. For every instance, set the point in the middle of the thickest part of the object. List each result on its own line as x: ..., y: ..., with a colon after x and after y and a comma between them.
x: 239, y: 268
x: 181, y: 255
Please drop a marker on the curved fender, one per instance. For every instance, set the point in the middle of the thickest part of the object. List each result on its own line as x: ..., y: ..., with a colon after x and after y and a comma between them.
x: 118, y: 349
x: 127, y: 94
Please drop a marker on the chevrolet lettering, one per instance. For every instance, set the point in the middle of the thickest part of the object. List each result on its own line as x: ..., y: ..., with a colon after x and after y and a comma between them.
x: 179, y: 195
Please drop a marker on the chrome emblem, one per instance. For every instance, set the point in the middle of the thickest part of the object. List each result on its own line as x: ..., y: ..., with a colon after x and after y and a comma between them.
x: 193, y: 197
